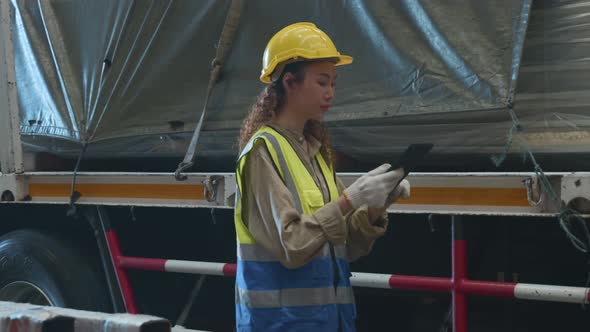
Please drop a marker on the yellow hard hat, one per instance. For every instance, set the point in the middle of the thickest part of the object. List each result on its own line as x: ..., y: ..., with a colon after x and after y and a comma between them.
x: 298, y: 42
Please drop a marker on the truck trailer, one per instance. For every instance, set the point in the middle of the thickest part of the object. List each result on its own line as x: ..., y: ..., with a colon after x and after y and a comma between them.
x: 118, y: 143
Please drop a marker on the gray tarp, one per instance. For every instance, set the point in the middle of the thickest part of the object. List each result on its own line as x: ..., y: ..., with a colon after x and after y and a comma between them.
x: 130, y: 77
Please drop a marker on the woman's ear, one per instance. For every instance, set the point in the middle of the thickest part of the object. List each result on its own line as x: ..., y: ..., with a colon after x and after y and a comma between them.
x: 288, y: 80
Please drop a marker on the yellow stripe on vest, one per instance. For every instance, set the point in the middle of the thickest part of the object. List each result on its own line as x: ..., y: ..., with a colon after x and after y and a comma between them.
x: 307, y: 196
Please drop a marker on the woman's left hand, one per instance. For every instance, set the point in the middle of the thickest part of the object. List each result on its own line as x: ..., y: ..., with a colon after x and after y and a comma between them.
x: 375, y: 213
x: 401, y: 191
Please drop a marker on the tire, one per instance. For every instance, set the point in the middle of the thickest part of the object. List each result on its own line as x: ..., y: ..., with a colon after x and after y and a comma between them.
x: 39, y: 268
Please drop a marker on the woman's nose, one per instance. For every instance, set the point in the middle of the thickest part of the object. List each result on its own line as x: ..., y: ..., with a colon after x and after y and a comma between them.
x: 330, y: 93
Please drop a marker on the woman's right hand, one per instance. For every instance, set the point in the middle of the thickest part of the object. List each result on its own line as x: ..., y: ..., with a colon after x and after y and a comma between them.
x: 373, y: 188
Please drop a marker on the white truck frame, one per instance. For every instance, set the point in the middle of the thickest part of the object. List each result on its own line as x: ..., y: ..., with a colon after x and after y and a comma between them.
x: 455, y: 194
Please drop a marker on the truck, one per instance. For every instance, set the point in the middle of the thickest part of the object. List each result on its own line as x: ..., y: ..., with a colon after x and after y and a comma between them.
x: 118, y: 138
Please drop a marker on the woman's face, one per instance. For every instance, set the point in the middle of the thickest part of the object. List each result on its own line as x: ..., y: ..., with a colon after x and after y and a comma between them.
x: 313, y: 97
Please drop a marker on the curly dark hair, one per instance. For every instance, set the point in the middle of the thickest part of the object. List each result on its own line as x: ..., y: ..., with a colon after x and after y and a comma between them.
x: 269, y: 104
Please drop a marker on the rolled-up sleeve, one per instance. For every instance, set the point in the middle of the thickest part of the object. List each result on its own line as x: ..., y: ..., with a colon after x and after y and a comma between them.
x: 361, y: 233
x: 273, y: 219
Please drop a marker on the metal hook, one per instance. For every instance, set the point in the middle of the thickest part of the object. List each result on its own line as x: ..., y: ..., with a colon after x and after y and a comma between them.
x: 211, y: 187
x: 183, y: 166
x: 530, y: 191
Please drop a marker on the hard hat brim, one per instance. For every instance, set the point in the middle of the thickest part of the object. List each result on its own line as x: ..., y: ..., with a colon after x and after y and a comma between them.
x: 342, y: 60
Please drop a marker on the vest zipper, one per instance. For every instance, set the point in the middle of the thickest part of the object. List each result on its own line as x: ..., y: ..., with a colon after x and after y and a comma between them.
x: 336, y: 281
x: 335, y: 268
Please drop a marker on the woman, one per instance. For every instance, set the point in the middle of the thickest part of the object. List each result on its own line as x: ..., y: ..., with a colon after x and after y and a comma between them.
x: 297, y: 227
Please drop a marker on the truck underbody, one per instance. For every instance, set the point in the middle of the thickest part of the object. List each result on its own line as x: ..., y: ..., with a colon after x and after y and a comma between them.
x: 479, y: 245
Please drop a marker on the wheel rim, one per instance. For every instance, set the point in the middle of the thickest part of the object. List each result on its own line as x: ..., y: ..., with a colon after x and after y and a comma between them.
x: 24, y: 292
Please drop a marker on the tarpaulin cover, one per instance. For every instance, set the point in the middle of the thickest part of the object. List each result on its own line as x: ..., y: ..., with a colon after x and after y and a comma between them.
x: 130, y: 77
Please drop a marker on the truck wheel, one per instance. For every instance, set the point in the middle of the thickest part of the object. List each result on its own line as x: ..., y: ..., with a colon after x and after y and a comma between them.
x: 40, y: 269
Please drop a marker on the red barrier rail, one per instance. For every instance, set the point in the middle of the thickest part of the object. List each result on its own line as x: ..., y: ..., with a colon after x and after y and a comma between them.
x: 458, y: 285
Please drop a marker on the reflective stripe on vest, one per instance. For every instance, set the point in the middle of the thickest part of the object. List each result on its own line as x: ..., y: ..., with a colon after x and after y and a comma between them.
x: 288, y: 163
x: 253, y: 252
x: 262, y: 281
x: 294, y: 297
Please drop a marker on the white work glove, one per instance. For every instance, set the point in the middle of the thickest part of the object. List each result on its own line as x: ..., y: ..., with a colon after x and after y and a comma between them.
x: 373, y: 188
x: 402, y: 190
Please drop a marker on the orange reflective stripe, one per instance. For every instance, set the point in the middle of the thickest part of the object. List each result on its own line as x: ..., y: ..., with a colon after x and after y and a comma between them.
x: 157, y: 191
x: 467, y: 196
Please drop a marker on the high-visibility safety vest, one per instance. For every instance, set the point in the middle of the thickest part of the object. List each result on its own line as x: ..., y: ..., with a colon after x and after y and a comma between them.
x: 271, y: 297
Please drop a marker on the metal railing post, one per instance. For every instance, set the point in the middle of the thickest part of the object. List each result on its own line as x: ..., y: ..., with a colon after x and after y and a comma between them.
x: 459, y: 266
